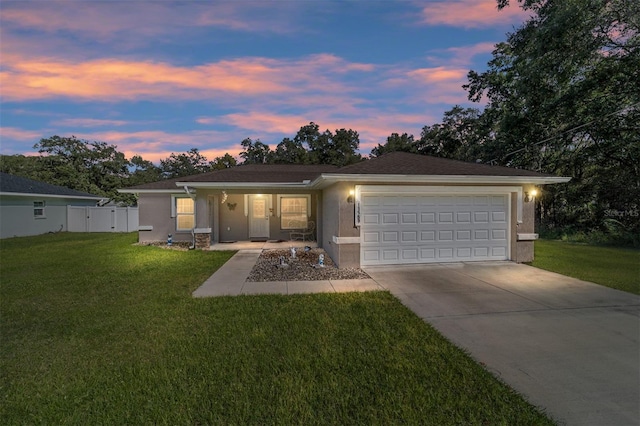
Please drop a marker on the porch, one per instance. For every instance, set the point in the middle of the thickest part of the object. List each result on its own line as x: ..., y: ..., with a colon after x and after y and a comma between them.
x: 262, y: 245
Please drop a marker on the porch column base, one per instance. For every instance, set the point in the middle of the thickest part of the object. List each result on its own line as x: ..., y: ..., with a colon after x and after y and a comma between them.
x: 203, y: 240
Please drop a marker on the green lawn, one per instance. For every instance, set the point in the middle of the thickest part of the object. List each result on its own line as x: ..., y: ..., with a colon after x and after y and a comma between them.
x: 96, y: 330
x: 612, y: 267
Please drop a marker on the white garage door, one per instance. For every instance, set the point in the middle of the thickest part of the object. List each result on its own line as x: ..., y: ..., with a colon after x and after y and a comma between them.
x: 415, y: 228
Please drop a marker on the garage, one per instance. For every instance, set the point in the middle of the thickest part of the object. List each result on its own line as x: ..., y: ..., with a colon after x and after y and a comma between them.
x: 434, y: 224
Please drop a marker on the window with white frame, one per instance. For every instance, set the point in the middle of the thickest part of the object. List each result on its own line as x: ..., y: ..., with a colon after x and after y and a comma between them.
x: 294, y: 211
x: 185, y: 213
x: 38, y: 209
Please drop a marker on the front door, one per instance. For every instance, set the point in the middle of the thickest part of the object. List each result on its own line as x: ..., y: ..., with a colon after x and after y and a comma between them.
x: 258, y: 217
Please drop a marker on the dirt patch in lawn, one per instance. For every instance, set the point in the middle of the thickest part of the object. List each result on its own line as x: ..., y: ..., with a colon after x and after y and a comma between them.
x: 304, y: 267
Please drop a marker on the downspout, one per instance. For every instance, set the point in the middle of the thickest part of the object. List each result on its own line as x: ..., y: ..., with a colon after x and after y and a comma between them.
x: 193, y: 234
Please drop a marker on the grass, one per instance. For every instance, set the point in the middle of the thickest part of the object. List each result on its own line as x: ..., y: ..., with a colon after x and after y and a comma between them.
x: 612, y: 267
x: 96, y: 330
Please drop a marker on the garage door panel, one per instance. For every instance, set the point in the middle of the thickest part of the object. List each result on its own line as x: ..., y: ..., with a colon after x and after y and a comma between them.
x: 390, y: 237
x: 463, y: 253
x: 428, y: 228
x: 428, y: 254
x: 498, y: 217
x: 499, y: 252
x: 390, y: 218
x: 370, y: 200
x: 498, y: 200
x: 370, y: 218
x: 390, y: 255
x: 427, y: 218
x: 481, y: 217
x: 481, y: 200
x: 370, y: 256
x: 498, y: 235
x: 427, y: 236
x: 445, y: 217
x: 463, y: 217
x: 409, y: 237
x: 481, y: 235
x: 445, y: 235
x: 370, y: 237
x: 464, y: 235
x: 481, y: 252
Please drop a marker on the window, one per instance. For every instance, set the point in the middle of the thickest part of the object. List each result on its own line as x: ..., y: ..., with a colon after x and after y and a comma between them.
x: 185, y: 213
x: 38, y: 209
x: 294, y: 211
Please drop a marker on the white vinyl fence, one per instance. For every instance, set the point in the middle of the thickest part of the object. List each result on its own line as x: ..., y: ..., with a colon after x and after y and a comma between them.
x: 102, y: 219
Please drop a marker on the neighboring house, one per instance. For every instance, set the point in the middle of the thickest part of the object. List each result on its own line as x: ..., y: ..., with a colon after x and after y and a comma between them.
x: 399, y: 208
x: 30, y: 207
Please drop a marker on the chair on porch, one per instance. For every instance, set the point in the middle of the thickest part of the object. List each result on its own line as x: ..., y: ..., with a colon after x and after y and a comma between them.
x: 306, y: 234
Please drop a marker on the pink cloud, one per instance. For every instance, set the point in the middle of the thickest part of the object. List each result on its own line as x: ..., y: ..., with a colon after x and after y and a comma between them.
x: 19, y: 134
x: 438, y: 75
x: 105, y: 22
x: 27, y: 78
x: 90, y: 122
x: 470, y: 13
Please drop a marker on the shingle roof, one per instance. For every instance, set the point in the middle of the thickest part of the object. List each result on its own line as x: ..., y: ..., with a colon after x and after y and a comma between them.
x: 404, y: 163
x: 393, y: 163
x: 250, y: 173
x: 16, y: 184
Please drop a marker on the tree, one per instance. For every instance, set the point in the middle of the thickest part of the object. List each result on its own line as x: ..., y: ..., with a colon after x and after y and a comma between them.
x: 290, y: 152
x: 94, y: 167
x: 185, y: 164
x: 143, y: 171
x: 255, y: 152
x: 461, y: 135
x: 342, y: 147
x: 564, y: 97
x: 223, y: 162
x: 396, y: 142
x: 28, y: 166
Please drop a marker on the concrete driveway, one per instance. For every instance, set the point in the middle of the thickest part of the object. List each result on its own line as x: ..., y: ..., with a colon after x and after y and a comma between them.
x: 570, y: 347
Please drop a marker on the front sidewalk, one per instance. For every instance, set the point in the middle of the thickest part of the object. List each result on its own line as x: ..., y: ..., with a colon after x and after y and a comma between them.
x: 231, y: 280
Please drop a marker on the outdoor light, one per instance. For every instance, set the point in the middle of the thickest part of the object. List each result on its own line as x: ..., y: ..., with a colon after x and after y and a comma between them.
x: 530, y: 196
x: 350, y: 198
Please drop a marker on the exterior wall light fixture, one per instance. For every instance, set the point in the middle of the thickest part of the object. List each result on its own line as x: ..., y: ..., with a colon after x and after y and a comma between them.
x: 530, y: 196
x: 350, y: 198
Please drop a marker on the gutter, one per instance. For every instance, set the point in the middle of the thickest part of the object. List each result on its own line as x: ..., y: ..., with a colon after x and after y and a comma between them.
x: 328, y: 179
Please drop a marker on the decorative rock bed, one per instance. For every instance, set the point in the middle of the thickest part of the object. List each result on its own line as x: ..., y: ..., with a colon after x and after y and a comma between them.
x: 177, y: 245
x: 303, y: 268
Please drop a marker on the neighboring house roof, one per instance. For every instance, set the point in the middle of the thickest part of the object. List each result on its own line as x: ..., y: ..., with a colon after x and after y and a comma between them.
x: 17, y: 185
x: 394, y: 167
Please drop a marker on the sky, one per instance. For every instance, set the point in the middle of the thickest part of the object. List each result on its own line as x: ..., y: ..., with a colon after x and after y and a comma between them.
x: 162, y: 77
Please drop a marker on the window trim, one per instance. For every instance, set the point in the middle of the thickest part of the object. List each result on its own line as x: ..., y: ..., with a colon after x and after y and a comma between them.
x: 307, y: 197
x: 42, y: 207
x: 174, y: 213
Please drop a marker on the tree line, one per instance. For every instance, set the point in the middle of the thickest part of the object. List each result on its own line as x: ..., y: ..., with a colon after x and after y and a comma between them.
x: 99, y: 168
x: 561, y: 96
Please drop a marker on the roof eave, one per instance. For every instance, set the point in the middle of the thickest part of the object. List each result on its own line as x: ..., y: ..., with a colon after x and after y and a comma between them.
x: 148, y: 191
x: 325, y: 180
x: 243, y: 185
x: 33, y: 194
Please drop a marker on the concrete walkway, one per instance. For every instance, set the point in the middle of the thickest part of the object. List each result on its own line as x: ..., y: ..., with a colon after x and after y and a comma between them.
x: 570, y: 347
x: 231, y: 280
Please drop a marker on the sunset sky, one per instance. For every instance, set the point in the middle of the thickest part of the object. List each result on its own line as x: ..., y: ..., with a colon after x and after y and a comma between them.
x: 165, y: 76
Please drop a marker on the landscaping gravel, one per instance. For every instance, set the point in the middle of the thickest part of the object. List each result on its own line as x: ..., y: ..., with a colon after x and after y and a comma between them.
x: 303, y: 268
